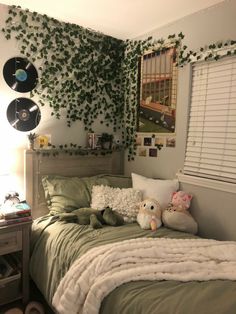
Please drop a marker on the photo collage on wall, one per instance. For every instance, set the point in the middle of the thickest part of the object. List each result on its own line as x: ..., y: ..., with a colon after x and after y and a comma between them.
x: 148, y: 146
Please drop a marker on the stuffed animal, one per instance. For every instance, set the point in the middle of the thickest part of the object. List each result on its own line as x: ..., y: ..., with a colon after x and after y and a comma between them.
x: 177, y: 216
x: 11, y: 198
x: 180, y: 202
x: 93, y: 217
x: 149, y: 215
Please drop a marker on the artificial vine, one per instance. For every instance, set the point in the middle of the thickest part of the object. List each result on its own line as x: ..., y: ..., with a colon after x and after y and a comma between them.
x: 79, y: 69
x: 87, y: 76
x: 211, y: 52
x: 72, y: 149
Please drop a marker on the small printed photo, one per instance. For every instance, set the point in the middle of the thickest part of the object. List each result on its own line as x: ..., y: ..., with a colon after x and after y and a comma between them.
x: 152, y: 152
x: 159, y: 141
x: 142, y: 152
x: 90, y: 140
x: 97, y: 140
x: 147, y: 141
x: 43, y: 141
x: 170, y: 142
x: 139, y: 140
x: 94, y: 140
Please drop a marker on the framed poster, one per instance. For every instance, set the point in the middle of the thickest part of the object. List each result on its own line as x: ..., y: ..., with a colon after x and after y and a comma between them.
x: 158, y: 91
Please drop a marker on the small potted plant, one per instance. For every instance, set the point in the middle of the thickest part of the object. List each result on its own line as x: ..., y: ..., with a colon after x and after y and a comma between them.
x: 31, y: 138
x: 106, y: 140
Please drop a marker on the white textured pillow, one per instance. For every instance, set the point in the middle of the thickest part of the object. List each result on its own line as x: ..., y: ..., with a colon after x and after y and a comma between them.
x: 161, y: 190
x: 124, y: 201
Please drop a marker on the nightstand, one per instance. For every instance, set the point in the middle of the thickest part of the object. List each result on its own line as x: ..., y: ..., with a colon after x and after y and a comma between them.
x: 15, y: 239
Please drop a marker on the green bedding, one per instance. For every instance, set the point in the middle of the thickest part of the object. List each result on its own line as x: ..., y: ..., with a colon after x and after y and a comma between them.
x: 57, y: 244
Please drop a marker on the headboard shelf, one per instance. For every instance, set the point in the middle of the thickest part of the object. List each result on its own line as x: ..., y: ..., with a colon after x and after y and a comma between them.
x: 47, y: 162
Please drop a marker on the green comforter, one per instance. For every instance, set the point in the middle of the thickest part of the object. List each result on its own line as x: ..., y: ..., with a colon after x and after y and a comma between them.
x: 57, y: 244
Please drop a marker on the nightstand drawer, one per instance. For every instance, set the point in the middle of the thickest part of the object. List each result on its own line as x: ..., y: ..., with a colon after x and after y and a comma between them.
x: 10, y: 289
x: 10, y: 242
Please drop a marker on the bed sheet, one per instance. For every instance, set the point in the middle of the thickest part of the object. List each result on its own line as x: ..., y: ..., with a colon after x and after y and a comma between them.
x: 57, y: 244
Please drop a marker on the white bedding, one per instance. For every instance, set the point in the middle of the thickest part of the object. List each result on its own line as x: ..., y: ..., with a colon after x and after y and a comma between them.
x: 104, y: 268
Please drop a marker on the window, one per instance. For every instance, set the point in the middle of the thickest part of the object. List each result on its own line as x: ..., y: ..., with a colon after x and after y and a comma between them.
x: 158, y: 91
x: 211, y: 141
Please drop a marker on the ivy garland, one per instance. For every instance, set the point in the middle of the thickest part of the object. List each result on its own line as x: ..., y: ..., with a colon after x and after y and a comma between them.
x: 83, y: 72
x: 80, y: 70
x: 72, y: 149
x: 214, y: 51
x: 87, y: 74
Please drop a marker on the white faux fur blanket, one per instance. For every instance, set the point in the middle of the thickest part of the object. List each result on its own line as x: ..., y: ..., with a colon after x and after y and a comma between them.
x: 104, y: 268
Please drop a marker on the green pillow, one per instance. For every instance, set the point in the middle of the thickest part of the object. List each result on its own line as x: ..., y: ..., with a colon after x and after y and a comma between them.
x: 118, y: 181
x: 65, y: 194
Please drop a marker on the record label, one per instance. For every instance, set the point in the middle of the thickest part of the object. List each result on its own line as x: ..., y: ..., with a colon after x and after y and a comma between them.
x: 23, y: 114
x: 20, y: 74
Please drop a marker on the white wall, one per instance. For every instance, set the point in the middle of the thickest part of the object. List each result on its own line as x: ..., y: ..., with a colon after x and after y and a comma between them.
x: 215, y: 211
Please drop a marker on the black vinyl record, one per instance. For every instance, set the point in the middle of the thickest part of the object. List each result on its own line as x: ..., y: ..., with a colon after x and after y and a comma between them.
x: 23, y: 114
x: 20, y: 74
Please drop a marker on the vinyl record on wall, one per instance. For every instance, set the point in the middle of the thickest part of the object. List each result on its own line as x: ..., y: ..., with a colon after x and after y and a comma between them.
x: 23, y: 114
x: 20, y: 74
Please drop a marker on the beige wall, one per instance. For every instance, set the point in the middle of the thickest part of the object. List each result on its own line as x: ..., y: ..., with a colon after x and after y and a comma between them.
x: 214, y: 210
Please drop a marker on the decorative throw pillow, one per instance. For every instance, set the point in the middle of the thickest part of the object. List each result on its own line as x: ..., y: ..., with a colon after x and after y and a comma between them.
x: 124, y: 201
x: 65, y: 194
x: 160, y: 190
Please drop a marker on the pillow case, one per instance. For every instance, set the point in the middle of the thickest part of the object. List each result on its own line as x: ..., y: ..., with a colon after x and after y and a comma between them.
x: 125, y: 201
x: 161, y: 190
x: 64, y: 194
x: 118, y: 181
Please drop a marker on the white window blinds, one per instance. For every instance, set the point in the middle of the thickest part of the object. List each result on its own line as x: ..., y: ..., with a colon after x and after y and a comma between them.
x: 211, y: 141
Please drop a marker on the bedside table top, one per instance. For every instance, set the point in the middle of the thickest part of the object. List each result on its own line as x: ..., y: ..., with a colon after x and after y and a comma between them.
x: 17, y: 225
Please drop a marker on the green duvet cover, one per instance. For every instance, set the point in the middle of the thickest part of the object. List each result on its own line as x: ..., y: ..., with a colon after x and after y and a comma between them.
x: 57, y: 244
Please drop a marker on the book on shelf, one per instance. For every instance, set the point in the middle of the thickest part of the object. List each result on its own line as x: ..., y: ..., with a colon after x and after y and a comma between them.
x: 14, y: 261
x: 25, y: 213
x: 15, y: 211
x: 5, y: 268
x: 6, y: 222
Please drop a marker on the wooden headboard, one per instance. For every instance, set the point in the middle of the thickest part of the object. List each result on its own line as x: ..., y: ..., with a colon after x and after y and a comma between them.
x: 41, y: 163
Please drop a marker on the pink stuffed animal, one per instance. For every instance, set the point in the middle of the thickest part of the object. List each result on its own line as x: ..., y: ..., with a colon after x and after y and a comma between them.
x: 180, y: 202
x: 177, y: 216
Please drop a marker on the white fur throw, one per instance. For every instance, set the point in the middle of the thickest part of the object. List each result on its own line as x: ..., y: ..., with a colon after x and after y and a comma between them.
x: 124, y: 201
x: 99, y: 271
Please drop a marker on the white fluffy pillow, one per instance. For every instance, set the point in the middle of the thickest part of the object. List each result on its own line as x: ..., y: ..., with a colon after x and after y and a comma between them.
x: 124, y: 201
x: 161, y: 190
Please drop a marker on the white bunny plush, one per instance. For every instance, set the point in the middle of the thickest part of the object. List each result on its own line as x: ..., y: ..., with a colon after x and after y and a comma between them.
x: 149, y: 216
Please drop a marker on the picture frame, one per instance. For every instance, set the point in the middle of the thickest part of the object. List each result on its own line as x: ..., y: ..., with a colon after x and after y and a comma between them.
x: 94, y: 140
x: 158, y: 91
x: 43, y: 141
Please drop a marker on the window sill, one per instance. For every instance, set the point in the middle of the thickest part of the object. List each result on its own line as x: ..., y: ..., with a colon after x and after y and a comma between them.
x: 207, y: 183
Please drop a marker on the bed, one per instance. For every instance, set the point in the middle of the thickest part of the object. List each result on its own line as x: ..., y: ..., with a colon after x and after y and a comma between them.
x: 59, y: 245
